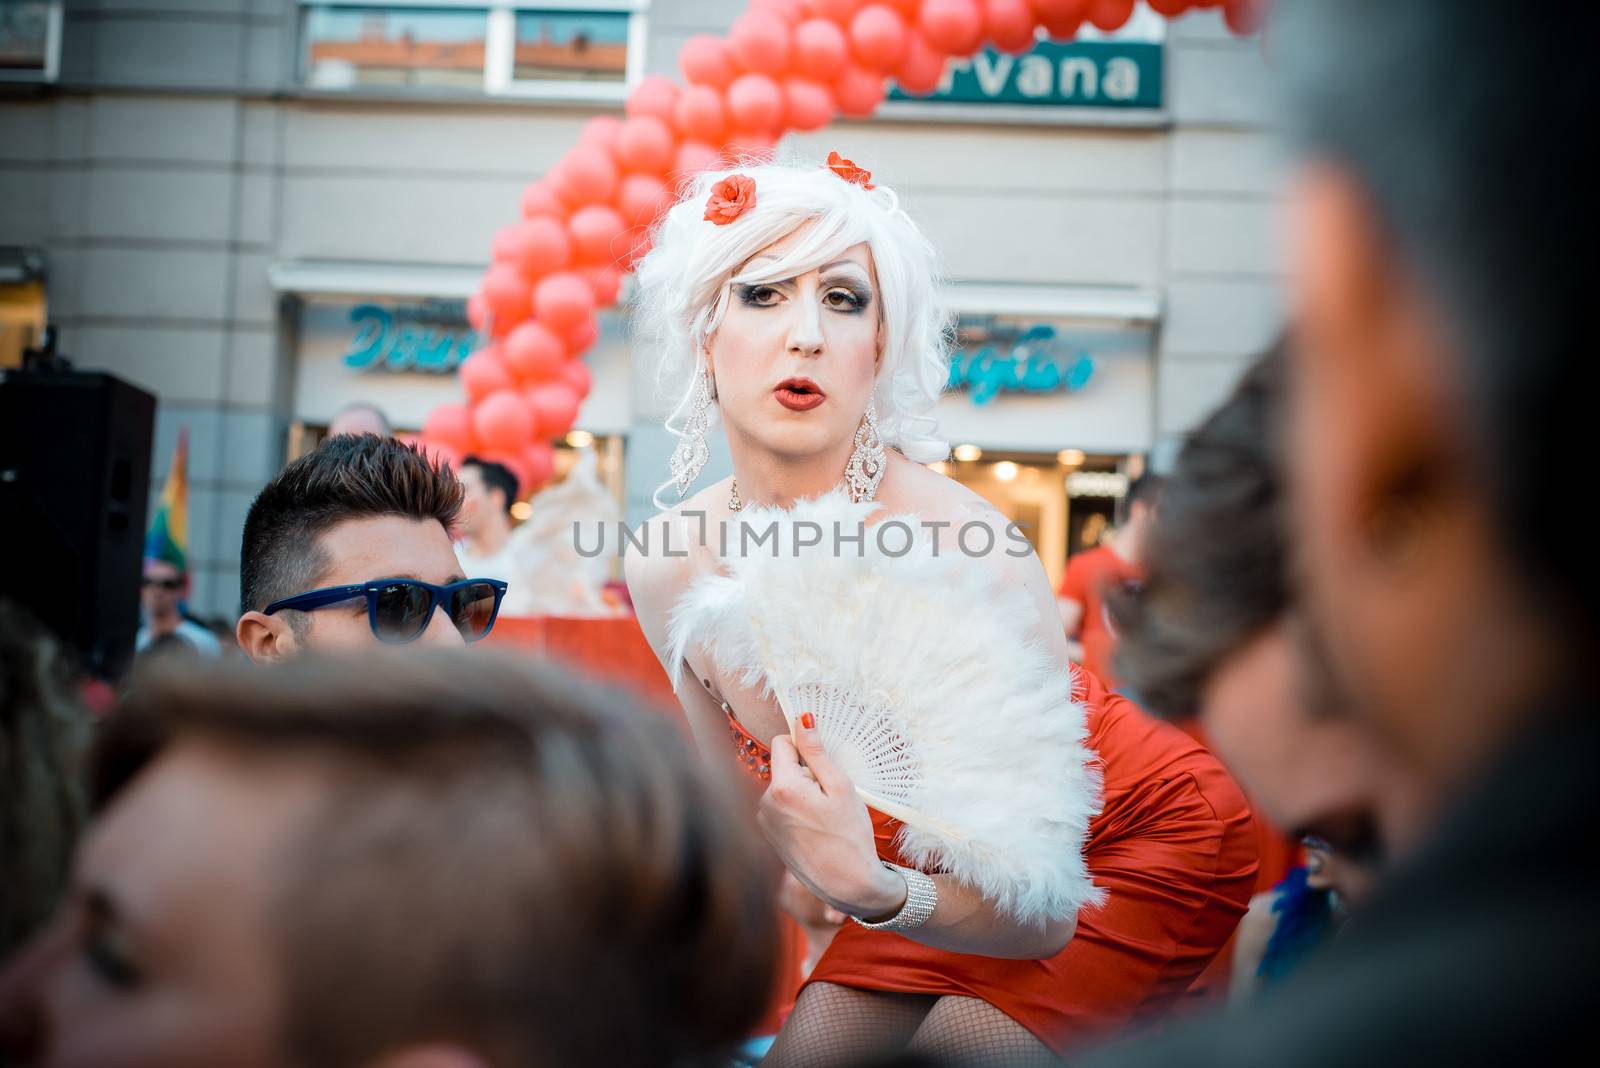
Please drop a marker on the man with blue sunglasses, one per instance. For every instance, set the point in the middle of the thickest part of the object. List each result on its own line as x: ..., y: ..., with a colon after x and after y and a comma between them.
x: 350, y: 544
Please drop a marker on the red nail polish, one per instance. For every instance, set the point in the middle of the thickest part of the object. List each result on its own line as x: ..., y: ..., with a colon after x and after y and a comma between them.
x: 808, y: 721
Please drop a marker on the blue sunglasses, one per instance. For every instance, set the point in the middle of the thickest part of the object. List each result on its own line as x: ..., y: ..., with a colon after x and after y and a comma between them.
x: 399, y: 610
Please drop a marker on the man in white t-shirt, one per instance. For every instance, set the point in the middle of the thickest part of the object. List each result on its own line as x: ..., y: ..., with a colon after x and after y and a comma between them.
x: 487, y: 547
x: 165, y: 585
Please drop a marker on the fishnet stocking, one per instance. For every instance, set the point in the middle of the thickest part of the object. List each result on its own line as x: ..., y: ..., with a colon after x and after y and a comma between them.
x: 975, y: 1034
x: 832, y: 1026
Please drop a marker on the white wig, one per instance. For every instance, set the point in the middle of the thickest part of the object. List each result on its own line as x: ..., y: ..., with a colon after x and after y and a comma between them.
x: 684, y: 284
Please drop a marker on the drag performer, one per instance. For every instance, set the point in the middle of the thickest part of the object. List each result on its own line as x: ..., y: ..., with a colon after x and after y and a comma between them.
x: 796, y: 306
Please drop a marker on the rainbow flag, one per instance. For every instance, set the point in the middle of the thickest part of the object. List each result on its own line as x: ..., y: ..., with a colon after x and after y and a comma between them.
x: 168, y: 536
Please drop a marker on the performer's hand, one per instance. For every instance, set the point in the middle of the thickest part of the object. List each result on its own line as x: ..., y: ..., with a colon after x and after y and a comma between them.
x: 821, y: 829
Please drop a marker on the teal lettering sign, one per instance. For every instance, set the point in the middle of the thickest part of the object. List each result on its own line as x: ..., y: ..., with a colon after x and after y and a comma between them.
x: 1094, y: 74
x: 431, y: 338
x: 1030, y: 363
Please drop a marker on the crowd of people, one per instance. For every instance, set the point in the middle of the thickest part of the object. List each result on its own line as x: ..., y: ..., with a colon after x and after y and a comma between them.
x: 1322, y: 713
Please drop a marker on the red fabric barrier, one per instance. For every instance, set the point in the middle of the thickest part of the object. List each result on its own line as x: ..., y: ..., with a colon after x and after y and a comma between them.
x: 612, y: 650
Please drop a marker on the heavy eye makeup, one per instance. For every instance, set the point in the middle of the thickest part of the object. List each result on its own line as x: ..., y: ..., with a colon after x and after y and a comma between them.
x: 845, y: 295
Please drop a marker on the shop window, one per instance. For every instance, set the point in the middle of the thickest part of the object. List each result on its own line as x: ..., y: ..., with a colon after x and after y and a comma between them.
x: 30, y: 40
x: 558, y: 48
x: 561, y: 45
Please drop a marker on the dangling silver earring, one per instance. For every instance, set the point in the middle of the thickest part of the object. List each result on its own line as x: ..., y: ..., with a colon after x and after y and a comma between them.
x: 865, y: 469
x: 691, y: 454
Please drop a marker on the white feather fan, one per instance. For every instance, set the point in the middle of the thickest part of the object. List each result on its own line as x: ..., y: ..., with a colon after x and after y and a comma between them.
x: 926, y: 686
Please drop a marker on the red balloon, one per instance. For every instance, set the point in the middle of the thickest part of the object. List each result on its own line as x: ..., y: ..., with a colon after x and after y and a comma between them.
x: 908, y: 9
x: 923, y: 68
x: 576, y: 374
x: 601, y: 132
x: 533, y: 352
x: 505, y: 291
x: 643, y: 199
x: 502, y: 421
x: 1110, y: 15
x: 484, y: 373
x: 586, y: 175
x: 1170, y: 8
x: 538, y: 465
x: 555, y: 406
x: 700, y: 114
x: 607, y: 282
x: 1242, y: 16
x: 705, y: 60
x: 594, y: 231
x: 503, y: 248
x: 539, y: 199
x: 477, y: 312
x: 839, y: 11
x: 809, y: 105
x: 1060, y: 11
x: 820, y: 49
x: 451, y: 425
x: 789, y: 11
x: 878, y: 38
x: 858, y: 92
x: 760, y: 43
x: 756, y: 104
x: 654, y: 97
x: 535, y: 246
x: 955, y: 27
x: 582, y: 337
x: 1009, y: 24
x: 692, y: 158
x: 563, y: 300
x: 645, y: 145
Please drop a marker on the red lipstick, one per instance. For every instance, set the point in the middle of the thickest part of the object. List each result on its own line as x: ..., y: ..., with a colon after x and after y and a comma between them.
x: 799, y: 394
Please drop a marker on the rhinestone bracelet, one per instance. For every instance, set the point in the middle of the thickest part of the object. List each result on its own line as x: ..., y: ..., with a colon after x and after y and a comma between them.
x: 922, y: 897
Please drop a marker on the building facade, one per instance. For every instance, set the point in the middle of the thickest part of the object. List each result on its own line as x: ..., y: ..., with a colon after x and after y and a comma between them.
x: 262, y: 210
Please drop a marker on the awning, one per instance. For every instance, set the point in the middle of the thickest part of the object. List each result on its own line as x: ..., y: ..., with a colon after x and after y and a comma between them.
x: 1112, y: 304
x: 339, y: 278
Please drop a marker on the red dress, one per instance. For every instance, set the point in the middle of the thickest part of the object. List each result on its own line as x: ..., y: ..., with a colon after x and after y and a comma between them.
x: 1174, y: 849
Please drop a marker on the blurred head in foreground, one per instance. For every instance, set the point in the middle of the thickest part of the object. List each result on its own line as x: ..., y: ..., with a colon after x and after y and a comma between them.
x: 1214, y: 631
x: 43, y: 731
x: 1445, y: 374
x: 430, y: 861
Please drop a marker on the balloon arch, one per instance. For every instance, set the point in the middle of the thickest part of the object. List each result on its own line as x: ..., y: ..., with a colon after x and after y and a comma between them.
x: 785, y: 65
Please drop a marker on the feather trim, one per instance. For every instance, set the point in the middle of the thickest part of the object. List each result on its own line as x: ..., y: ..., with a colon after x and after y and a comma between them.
x: 946, y: 643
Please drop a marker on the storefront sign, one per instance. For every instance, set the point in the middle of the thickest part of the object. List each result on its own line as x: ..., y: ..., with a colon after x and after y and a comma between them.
x: 432, y: 337
x: 995, y: 360
x: 1097, y: 74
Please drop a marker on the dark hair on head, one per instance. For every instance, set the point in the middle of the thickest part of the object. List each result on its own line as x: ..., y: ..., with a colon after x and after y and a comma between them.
x: 1466, y: 133
x: 1218, y: 552
x: 44, y: 729
x: 346, y: 477
x: 535, y: 870
x: 495, y: 476
x: 1146, y: 489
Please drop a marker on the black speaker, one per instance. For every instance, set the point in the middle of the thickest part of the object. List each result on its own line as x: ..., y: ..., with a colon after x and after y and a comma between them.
x: 74, y: 489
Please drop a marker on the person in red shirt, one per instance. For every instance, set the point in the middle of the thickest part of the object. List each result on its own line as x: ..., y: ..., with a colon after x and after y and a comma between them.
x: 1094, y: 572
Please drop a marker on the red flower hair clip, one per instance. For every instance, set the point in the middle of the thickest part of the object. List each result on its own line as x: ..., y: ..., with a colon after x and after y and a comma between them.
x: 847, y: 170
x: 730, y: 198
